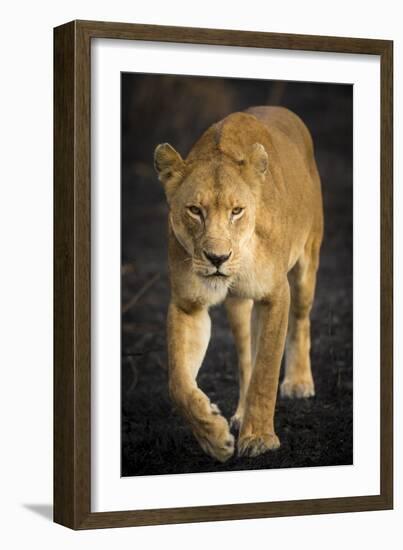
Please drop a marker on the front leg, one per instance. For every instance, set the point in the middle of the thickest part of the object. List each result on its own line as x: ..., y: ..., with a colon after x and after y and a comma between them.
x: 257, y: 431
x: 188, y: 337
x: 239, y: 317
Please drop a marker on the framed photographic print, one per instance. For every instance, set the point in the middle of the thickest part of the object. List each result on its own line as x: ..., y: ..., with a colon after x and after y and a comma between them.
x: 222, y: 276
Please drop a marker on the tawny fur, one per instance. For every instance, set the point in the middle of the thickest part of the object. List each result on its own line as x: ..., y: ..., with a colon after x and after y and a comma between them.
x: 250, y: 189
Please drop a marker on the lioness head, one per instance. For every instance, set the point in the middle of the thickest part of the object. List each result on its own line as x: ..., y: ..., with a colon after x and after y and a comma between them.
x: 212, y: 205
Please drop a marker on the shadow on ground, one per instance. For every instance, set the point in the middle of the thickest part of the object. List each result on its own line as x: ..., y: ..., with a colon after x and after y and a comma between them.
x: 43, y: 510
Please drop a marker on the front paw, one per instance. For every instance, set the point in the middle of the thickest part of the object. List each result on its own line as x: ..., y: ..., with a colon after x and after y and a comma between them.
x: 211, y: 429
x: 215, y: 438
x: 256, y: 444
x: 297, y: 388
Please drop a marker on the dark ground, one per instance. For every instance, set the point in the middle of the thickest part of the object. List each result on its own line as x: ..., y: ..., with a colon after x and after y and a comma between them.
x: 314, y: 432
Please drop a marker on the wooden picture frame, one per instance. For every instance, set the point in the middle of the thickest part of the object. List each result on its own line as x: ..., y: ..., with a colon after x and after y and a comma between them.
x: 72, y: 319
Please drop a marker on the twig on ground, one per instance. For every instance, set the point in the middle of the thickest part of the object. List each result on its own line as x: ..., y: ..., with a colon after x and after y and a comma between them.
x: 141, y: 353
x: 131, y: 362
x: 139, y: 294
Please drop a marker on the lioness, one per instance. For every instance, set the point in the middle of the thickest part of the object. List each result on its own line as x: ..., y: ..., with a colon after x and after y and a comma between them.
x: 245, y: 227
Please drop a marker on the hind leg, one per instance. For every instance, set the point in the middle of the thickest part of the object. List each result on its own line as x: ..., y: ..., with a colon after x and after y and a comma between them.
x: 239, y: 317
x: 298, y: 380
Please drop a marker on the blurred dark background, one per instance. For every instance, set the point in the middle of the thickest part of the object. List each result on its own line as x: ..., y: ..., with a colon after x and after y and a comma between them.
x: 314, y: 432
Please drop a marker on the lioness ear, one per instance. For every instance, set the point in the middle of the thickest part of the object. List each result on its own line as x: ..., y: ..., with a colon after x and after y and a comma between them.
x: 168, y: 163
x: 258, y: 158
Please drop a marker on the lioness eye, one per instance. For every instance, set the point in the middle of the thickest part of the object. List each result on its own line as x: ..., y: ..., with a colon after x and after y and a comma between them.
x: 195, y: 210
x: 236, y: 211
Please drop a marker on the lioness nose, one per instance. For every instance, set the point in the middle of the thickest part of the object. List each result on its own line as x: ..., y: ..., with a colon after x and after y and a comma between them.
x: 217, y: 260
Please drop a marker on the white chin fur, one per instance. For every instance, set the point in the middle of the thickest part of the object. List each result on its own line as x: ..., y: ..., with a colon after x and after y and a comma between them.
x: 215, y: 283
